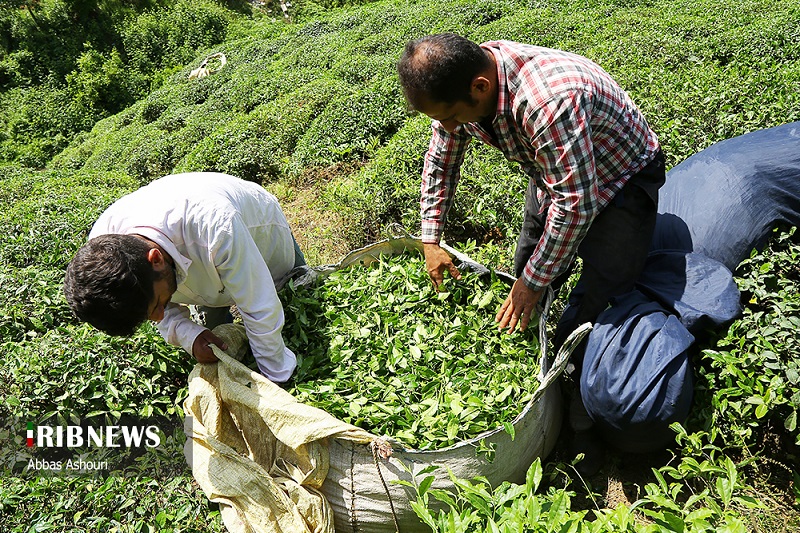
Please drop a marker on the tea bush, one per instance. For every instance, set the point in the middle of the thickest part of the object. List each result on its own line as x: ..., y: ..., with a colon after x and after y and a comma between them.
x: 48, y: 215
x: 132, y: 503
x: 485, y: 210
x: 753, y: 376
x: 82, y: 374
x: 32, y: 304
x: 76, y: 63
x: 691, y: 85
x: 312, y: 105
x: 35, y: 123
x: 382, y: 191
x: 259, y: 146
x: 350, y: 125
x: 509, y: 507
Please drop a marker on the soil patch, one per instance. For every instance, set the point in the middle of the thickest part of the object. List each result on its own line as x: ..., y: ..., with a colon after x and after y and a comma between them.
x: 321, y: 233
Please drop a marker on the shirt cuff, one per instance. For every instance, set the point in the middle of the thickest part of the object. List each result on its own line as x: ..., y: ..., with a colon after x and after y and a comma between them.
x: 279, y: 367
x: 532, y: 281
x: 431, y: 232
x: 180, y: 331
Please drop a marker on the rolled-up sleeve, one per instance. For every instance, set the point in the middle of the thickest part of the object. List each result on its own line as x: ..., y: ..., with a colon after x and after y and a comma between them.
x: 178, y: 328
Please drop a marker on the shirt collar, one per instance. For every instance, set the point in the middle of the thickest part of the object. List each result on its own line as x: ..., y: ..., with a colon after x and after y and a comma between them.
x: 182, y: 263
x: 503, y: 103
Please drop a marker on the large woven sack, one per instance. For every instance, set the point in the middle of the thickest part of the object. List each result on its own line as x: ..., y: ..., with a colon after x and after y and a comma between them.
x: 303, y: 470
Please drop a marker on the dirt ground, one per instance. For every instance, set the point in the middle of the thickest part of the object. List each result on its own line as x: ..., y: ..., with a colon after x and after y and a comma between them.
x: 319, y: 232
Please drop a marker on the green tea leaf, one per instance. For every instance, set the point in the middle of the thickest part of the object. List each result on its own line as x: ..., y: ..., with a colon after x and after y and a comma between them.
x: 429, y: 368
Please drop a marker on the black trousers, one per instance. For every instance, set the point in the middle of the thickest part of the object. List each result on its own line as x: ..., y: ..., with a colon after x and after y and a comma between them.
x: 613, y: 251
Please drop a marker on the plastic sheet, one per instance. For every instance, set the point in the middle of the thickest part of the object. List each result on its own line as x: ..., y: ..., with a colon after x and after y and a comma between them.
x: 714, y: 209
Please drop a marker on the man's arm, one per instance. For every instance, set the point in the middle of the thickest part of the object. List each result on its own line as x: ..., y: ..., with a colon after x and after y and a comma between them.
x: 179, y: 329
x: 564, y: 151
x: 440, y: 175
x: 565, y: 154
x: 248, y: 281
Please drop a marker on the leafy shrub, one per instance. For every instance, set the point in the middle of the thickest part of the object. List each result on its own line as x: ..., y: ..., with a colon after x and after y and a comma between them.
x: 103, y: 85
x: 719, y: 502
x: 74, y: 372
x: 172, y: 35
x: 259, y: 146
x: 690, y: 98
x: 38, y: 122
x: 32, y: 303
x: 131, y: 503
x: 350, y: 124
x: 106, y: 152
x: 387, y: 189
x: 753, y: 374
x: 100, y: 78
x: 48, y: 215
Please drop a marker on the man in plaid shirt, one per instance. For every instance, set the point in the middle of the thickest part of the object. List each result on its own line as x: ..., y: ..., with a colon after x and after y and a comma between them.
x: 594, y: 166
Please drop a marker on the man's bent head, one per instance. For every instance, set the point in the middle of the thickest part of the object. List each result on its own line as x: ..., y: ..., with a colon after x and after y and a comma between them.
x: 440, y: 68
x: 109, y: 283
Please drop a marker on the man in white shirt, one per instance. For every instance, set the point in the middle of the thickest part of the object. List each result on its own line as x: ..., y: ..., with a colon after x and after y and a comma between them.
x: 199, y: 238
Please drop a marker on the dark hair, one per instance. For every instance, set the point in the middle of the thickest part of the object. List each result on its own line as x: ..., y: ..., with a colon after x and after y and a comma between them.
x: 441, y: 68
x: 109, y: 283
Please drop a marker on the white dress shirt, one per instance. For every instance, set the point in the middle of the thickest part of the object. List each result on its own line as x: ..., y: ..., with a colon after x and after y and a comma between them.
x: 230, y: 242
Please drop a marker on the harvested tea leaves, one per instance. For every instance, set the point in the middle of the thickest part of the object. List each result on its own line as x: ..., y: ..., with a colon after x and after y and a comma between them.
x: 383, y: 350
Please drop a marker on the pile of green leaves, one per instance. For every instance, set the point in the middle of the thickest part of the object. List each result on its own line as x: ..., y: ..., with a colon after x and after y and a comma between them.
x: 383, y: 350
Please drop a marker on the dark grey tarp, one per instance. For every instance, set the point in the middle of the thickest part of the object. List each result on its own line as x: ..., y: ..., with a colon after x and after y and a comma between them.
x: 714, y: 209
x: 725, y: 200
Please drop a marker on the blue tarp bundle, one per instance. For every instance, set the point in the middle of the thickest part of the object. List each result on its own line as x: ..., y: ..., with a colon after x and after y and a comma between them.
x: 714, y: 209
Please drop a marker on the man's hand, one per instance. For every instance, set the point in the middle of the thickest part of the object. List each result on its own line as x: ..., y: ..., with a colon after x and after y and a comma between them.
x: 518, y: 307
x: 436, y: 262
x: 201, y: 348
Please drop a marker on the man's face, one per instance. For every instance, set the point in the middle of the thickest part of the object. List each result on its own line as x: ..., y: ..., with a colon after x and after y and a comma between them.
x: 451, y: 116
x: 163, y: 289
x: 481, y: 105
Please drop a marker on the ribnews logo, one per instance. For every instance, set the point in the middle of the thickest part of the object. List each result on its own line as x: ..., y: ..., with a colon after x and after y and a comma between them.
x: 88, y: 447
x: 100, y: 437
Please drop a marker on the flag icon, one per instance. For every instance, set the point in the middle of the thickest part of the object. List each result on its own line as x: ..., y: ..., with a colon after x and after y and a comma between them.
x: 30, y: 434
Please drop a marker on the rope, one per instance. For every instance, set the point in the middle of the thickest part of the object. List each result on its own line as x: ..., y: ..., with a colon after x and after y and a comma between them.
x: 379, y: 447
x: 353, y: 518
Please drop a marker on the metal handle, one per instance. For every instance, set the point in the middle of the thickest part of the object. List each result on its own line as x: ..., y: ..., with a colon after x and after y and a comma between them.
x: 399, y: 231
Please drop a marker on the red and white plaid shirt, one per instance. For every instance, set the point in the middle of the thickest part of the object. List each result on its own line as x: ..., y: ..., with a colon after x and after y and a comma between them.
x: 575, y: 132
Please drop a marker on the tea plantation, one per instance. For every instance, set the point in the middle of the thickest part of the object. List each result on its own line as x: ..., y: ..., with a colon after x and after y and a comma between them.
x: 96, y: 100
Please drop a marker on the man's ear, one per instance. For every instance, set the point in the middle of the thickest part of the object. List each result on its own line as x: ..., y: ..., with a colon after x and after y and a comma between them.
x: 480, y: 86
x: 155, y: 258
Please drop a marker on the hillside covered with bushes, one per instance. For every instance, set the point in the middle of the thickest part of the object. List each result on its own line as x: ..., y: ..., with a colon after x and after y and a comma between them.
x: 96, y: 100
